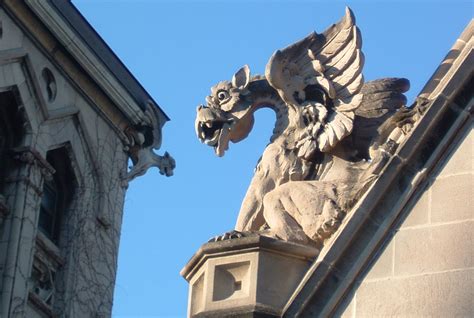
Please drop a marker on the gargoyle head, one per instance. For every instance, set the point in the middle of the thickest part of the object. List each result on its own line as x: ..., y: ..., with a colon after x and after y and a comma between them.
x: 227, y: 116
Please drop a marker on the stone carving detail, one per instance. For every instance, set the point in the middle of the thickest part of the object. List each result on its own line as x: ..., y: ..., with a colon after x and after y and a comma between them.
x: 47, y: 262
x: 43, y: 281
x: 142, y: 142
x: 31, y: 156
x: 333, y: 133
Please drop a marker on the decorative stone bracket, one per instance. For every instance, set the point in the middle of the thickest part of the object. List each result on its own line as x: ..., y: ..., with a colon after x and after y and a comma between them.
x: 31, y: 156
x: 143, y: 140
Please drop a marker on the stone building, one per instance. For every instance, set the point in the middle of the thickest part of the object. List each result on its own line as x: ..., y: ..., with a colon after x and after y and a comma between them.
x: 404, y: 249
x: 71, y: 117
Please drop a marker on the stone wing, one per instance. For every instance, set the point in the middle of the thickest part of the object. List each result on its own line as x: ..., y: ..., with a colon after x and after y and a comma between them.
x: 382, y: 99
x: 333, y: 60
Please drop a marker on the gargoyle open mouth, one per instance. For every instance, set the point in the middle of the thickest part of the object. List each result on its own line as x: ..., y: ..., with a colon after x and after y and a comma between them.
x: 215, y: 134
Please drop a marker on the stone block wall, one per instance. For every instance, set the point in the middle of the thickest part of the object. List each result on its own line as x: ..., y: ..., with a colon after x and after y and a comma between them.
x: 427, y: 267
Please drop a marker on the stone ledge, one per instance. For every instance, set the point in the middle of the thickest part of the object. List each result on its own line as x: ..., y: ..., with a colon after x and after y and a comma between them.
x: 40, y: 305
x: 251, y: 242
x: 257, y: 311
x: 250, y: 276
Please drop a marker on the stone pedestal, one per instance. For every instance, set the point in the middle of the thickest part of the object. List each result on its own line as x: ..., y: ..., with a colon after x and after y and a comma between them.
x: 246, y: 277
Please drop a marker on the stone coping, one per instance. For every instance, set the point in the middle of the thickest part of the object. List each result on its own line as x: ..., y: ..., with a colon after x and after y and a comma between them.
x: 252, y: 242
x: 93, y: 53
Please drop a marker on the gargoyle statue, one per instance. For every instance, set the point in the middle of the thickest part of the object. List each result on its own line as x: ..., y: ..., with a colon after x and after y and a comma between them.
x: 333, y: 133
x: 143, y: 140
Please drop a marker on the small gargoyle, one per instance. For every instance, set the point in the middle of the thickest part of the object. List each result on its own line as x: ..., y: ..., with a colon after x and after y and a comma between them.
x: 329, y: 141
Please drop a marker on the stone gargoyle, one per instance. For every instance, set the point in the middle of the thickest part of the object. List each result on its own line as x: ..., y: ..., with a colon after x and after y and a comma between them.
x: 332, y: 136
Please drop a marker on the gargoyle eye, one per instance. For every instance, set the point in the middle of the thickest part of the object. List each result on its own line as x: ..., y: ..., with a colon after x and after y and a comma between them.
x: 222, y: 95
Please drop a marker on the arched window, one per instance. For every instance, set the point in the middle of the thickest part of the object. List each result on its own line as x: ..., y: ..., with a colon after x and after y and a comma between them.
x: 11, y: 132
x: 57, y: 194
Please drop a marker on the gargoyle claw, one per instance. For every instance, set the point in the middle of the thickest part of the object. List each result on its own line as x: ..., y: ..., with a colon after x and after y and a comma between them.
x: 227, y: 236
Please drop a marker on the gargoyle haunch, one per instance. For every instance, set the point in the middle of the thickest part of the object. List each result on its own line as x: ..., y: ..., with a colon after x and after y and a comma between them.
x: 333, y: 132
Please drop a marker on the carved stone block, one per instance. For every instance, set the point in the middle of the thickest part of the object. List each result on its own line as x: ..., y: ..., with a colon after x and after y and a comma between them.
x: 249, y: 275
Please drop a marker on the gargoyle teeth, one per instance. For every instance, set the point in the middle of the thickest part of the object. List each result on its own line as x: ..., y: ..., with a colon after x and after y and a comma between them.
x: 208, y: 124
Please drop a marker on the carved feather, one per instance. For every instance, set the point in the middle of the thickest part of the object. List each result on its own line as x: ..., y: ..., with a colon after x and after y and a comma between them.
x: 349, y: 56
x: 332, y: 61
x: 381, y: 99
x: 351, y: 87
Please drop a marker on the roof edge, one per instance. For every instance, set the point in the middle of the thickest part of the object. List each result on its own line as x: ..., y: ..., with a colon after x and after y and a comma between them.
x: 80, y: 39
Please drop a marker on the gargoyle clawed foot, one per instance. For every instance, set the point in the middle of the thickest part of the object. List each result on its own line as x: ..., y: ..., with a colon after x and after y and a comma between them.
x: 228, y: 236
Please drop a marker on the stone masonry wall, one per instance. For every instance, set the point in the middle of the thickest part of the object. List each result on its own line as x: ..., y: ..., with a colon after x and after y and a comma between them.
x: 427, y: 268
x: 56, y: 114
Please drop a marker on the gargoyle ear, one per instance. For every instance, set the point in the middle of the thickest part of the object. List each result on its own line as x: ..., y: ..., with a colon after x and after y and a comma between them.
x: 241, y: 78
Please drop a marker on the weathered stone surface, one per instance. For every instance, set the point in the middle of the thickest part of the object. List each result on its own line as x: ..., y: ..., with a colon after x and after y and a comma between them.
x: 435, y: 248
x: 453, y: 198
x: 420, y: 212
x: 383, y: 266
x: 349, y: 309
x: 462, y: 160
x: 447, y: 294
x: 248, y: 272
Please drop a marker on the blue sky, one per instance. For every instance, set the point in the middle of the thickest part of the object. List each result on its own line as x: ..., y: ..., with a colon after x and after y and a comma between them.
x: 178, y: 50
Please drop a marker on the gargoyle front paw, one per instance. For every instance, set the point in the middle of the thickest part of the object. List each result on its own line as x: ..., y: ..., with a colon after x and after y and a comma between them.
x: 227, y: 236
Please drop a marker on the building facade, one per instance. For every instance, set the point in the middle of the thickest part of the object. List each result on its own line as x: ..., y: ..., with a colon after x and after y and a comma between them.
x: 71, y: 117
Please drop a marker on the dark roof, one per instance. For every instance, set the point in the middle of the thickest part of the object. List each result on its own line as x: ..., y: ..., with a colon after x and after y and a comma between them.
x: 89, y: 35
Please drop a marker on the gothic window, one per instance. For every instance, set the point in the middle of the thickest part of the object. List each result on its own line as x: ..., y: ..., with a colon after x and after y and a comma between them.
x: 49, y: 214
x: 11, y: 132
x: 57, y: 194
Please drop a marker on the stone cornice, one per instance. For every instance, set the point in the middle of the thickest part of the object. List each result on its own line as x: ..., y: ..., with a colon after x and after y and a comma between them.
x: 249, y: 243
x: 75, y: 45
x: 344, y: 259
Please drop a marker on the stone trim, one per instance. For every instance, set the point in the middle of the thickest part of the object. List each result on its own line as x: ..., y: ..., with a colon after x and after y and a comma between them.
x: 31, y: 156
x: 257, y: 311
x: 246, y: 276
x: 369, y: 225
x: 79, y: 49
x: 37, y: 303
x: 49, y: 249
x: 71, y: 70
x: 251, y: 242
